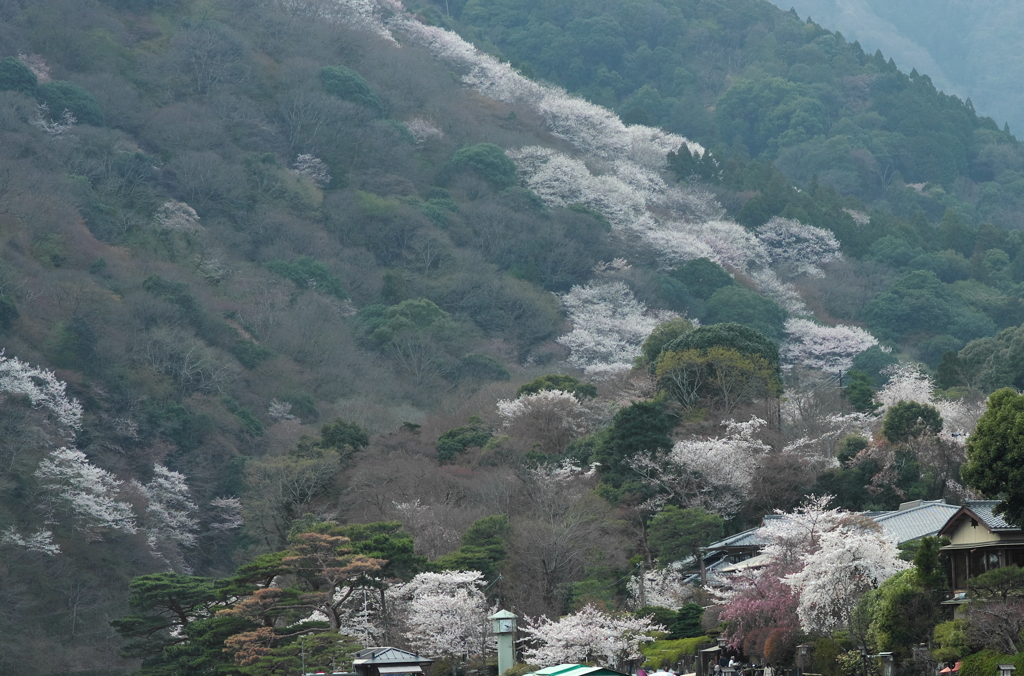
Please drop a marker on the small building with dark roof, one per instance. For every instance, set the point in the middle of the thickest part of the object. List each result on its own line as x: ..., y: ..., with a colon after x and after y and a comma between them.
x: 389, y: 662
x: 979, y: 541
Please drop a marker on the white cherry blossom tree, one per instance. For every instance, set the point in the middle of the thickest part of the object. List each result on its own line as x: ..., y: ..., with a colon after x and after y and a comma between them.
x: 663, y: 587
x: 170, y: 523
x: 43, y: 390
x: 826, y: 348
x: 87, y: 494
x: 711, y: 473
x: 551, y: 418
x: 446, y: 613
x: 609, y: 327
x: 589, y: 635
x: 849, y: 562
x: 798, y: 247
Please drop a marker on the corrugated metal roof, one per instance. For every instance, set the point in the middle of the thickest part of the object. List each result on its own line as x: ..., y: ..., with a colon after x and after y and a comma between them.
x: 907, y: 524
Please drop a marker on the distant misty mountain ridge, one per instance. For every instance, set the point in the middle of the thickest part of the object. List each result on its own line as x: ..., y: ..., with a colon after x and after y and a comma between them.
x: 969, y: 49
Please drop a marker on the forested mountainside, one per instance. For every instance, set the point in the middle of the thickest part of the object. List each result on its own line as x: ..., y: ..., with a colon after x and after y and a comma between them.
x: 272, y: 271
x: 970, y: 46
x: 754, y: 81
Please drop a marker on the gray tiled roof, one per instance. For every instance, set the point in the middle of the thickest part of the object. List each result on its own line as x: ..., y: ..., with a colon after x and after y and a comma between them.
x: 911, y: 523
x: 983, y: 508
x: 747, y: 538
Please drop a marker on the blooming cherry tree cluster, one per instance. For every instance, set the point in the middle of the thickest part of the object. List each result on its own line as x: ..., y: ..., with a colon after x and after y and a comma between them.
x: 169, y: 523
x: 85, y: 492
x: 313, y: 168
x: 175, y: 215
x: 909, y: 382
x: 552, y: 418
x: 41, y: 541
x: 663, y: 587
x: 609, y: 327
x: 826, y: 348
x: 708, y: 473
x: 819, y: 563
x: 589, y: 635
x: 849, y: 562
x: 797, y: 246
x: 43, y: 390
x: 446, y: 612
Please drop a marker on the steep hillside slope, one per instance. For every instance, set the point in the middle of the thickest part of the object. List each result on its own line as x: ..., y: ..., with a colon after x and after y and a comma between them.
x: 968, y: 49
x: 269, y: 263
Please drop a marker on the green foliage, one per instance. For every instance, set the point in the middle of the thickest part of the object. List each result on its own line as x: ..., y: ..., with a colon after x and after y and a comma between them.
x: 74, y: 344
x: 460, y: 439
x: 902, y: 613
x: 688, y: 622
x: 250, y: 354
x: 663, y: 654
x: 483, y: 547
x: 59, y: 96
x: 641, y: 427
x: 308, y: 273
x: 662, y: 335
x: 342, y: 435
x: 388, y: 541
x: 990, y: 363
x: 520, y: 669
x: 927, y: 566
x: 686, y: 165
x: 16, y: 76
x: 859, y: 392
x: 950, y: 641
x: 8, y: 314
x: 657, y: 614
x: 917, y: 302
x: 743, y: 339
x: 347, y: 84
x: 739, y: 305
x: 250, y: 423
x: 162, y: 605
x: 873, y: 361
x: 482, y: 367
x: 1001, y: 583
x: 558, y: 382
x: 995, y: 457
x: 986, y: 663
x: 675, y: 533
x: 702, y: 277
x: 717, y: 377
x: 488, y: 161
x: 906, y: 420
